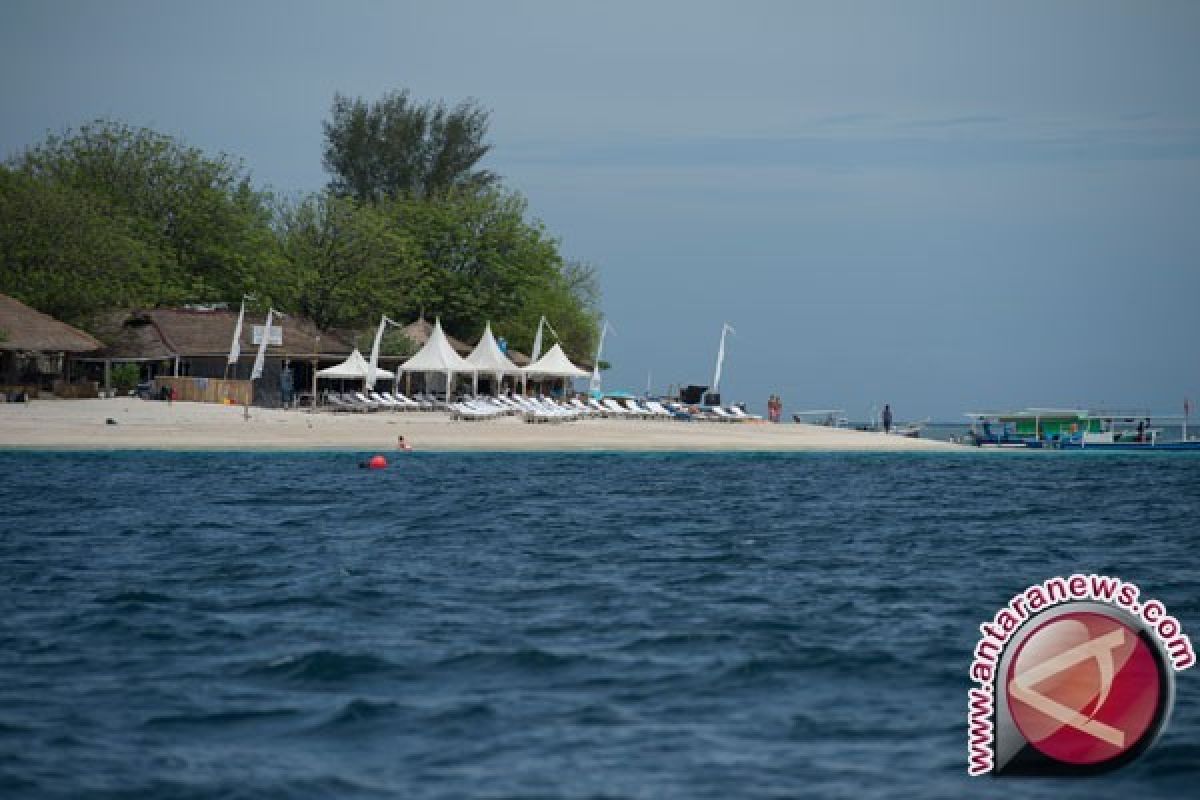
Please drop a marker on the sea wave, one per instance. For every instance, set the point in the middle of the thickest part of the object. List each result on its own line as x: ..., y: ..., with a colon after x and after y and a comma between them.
x: 652, y: 625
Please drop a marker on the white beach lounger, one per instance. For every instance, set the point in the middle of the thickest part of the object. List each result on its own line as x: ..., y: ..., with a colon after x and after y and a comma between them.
x: 616, y: 408
x: 582, y: 407
x: 371, y: 404
x: 737, y: 412
x: 656, y: 408
x: 533, y: 412
x: 554, y: 409
x: 485, y: 407
x: 402, y: 402
x: 634, y: 408
x: 353, y: 402
x: 429, y: 402
x: 336, y: 403
x: 405, y: 403
x: 384, y: 402
x: 507, y: 403
x: 493, y: 404
x: 465, y: 412
x: 722, y: 415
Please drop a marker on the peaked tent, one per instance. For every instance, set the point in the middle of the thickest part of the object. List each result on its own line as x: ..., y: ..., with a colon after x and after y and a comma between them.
x: 489, y: 359
x: 438, y: 356
x: 353, y: 368
x: 555, y: 364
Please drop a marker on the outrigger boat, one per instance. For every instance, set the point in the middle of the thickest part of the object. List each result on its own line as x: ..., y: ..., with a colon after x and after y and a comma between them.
x: 1072, y: 429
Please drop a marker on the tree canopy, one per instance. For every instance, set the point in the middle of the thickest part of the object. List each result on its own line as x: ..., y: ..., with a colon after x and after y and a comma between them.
x: 395, y: 147
x: 345, y: 262
x: 112, y: 216
x: 126, y: 215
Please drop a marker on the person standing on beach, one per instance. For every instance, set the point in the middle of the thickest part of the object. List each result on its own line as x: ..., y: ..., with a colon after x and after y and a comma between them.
x: 887, y: 418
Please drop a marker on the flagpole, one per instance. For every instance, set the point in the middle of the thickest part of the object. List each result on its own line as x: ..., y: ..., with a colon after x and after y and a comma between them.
x: 716, y: 387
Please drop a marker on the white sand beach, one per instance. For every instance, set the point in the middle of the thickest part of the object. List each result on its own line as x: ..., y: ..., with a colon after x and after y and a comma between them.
x: 140, y: 424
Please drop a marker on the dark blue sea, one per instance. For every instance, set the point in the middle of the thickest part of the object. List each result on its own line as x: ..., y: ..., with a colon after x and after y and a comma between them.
x: 238, y: 625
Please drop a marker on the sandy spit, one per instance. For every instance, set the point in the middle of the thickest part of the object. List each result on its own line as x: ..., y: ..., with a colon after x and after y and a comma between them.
x: 152, y: 425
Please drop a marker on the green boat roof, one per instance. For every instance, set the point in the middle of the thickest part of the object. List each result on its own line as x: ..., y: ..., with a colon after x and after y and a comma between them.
x: 1032, y: 413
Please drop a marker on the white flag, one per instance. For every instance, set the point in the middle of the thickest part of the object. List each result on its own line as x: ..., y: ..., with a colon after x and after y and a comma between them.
x: 235, y: 349
x: 373, y: 367
x: 256, y: 373
x: 595, y: 384
x: 537, y: 342
x: 716, y: 387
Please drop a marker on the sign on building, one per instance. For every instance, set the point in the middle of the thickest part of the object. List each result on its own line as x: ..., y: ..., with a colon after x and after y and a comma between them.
x: 276, y: 335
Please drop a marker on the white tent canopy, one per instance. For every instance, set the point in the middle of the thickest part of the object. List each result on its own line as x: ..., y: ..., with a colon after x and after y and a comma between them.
x: 555, y: 364
x: 488, y: 359
x: 439, y: 356
x: 353, y: 368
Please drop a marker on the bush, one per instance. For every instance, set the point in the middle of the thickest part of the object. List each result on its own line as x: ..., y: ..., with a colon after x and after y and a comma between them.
x: 126, y: 376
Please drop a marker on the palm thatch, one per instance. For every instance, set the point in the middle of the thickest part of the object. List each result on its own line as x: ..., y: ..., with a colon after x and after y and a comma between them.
x: 169, y: 332
x: 26, y: 329
x: 420, y: 331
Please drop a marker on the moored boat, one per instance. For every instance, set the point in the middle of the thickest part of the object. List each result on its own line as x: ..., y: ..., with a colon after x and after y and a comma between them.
x: 1073, y: 429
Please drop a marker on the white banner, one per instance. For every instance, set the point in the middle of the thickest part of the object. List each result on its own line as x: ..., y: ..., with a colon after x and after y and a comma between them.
x: 235, y: 347
x: 262, y: 340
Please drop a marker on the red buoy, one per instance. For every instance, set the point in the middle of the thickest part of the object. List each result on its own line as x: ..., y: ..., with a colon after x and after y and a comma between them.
x: 377, y: 462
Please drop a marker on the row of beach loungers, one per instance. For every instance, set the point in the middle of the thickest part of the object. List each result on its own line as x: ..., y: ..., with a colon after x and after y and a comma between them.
x: 545, y: 409
x: 540, y: 409
x: 381, y: 401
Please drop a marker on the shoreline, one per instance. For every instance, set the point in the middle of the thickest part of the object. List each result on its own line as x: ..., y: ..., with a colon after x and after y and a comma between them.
x: 81, y: 425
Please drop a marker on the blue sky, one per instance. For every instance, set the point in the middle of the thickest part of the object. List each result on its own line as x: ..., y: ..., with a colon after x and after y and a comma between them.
x: 943, y: 206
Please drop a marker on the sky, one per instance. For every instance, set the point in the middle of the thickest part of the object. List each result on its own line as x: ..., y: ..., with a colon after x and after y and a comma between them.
x: 944, y: 206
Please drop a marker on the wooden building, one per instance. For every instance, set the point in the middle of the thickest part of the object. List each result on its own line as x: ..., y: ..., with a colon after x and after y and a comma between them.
x: 38, y: 352
x: 195, y: 342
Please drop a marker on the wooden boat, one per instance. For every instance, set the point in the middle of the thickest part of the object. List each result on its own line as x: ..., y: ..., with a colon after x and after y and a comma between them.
x: 1073, y: 429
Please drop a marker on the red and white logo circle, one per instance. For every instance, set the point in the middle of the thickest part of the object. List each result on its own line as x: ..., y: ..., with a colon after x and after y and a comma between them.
x: 1084, y: 688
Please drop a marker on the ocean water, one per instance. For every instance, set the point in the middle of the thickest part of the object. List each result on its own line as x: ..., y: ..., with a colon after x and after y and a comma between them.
x: 188, y: 625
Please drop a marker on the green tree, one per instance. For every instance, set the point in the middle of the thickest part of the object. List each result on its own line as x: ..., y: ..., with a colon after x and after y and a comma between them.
x: 125, y: 376
x: 345, y: 262
x: 480, y: 259
x: 199, y: 213
x: 395, y: 147
x: 69, y: 252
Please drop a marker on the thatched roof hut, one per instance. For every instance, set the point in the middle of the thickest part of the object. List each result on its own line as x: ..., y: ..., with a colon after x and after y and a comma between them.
x: 25, y: 329
x: 419, y: 331
x: 193, y: 333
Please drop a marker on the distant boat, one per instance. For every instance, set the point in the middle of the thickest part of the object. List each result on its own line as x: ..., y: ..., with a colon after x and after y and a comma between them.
x: 828, y: 417
x: 1071, y: 429
x: 910, y: 429
x: 836, y: 418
